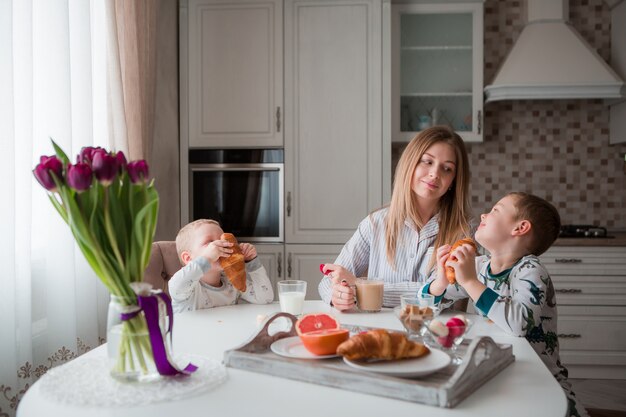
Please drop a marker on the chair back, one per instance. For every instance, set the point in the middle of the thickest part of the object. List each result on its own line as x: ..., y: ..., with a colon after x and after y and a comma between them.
x: 163, y: 264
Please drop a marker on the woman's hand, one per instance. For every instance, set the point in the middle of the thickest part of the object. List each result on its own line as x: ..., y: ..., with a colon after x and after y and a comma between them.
x: 343, y: 294
x: 439, y: 285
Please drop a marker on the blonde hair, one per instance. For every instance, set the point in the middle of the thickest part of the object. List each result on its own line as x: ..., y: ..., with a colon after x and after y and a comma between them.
x: 454, y: 207
x: 543, y: 217
x: 185, y: 235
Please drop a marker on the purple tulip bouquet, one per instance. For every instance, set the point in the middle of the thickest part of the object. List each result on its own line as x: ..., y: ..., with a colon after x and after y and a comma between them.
x: 111, y: 208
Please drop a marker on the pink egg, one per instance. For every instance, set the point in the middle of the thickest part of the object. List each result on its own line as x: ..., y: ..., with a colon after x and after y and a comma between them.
x: 461, y: 317
x: 446, y: 341
x: 455, y: 326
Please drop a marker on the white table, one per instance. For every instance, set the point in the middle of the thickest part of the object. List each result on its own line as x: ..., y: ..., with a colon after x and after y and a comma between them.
x: 524, y: 388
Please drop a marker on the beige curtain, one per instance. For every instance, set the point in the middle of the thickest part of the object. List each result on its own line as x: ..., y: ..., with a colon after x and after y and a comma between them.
x: 142, y: 84
x: 132, y: 74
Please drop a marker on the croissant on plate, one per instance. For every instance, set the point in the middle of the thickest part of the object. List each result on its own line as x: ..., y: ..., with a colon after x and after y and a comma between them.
x: 381, y: 344
x: 234, y: 266
x: 449, y: 270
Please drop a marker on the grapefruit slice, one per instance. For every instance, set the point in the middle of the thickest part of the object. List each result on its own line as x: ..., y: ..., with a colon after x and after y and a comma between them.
x: 314, y: 322
x: 324, y: 342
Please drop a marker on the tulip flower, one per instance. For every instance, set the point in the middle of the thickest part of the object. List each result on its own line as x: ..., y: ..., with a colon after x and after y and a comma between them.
x: 113, y: 218
x: 138, y: 171
x: 87, y: 153
x: 43, y: 170
x: 79, y: 176
x: 121, y: 161
x: 104, y: 167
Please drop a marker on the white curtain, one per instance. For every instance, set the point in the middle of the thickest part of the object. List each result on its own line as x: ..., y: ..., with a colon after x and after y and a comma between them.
x: 52, y: 85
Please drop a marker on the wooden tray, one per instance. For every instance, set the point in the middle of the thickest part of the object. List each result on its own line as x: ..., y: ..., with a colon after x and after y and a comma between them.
x: 482, y: 359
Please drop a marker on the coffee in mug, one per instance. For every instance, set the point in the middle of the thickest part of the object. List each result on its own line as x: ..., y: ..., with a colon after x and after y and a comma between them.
x: 369, y: 295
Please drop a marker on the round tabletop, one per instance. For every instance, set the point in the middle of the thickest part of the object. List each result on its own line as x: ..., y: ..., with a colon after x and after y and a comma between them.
x: 515, y: 391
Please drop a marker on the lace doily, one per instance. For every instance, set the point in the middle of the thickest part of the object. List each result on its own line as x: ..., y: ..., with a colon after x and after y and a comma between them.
x: 88, y: 382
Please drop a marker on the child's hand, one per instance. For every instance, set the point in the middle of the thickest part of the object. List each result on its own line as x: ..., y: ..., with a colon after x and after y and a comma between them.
x: 248, y: 251
x: 464, y: 265
x: 438, y: 286
x: 216, y: 249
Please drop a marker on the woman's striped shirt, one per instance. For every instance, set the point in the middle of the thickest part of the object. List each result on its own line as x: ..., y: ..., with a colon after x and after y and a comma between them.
x: 365, y: 255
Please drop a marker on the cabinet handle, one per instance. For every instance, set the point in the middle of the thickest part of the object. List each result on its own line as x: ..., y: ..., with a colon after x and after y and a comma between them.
x: 278, y: 119
x: 569, y: 336
x: 289, y: 266
x: 569, y: 290
x: 479, y: 121
x: 279, y: 268
x: 288, y: 203
x: 568, y: 261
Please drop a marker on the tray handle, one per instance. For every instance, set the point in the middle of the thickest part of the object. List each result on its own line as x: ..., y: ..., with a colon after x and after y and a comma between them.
x: 481, y: 349
x: 261, y: 341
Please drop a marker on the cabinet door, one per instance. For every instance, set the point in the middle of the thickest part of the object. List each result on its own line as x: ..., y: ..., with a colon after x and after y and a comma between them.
x: 272, y: 257
x: 235, y: 83
x: 333, y: 146
x: 436, y: 68
x: 303, y: 262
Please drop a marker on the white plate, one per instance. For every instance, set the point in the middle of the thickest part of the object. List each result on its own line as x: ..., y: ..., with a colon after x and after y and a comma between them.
x: 292, y: 347
x: 407, y: 368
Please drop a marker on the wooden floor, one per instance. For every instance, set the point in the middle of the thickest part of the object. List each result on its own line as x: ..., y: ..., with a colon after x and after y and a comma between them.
x: 608, y: 394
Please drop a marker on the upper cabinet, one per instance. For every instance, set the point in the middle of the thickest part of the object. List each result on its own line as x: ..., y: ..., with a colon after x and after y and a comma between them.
x: 235, y: 78
x: 333, y: 146
x: 435, y: 52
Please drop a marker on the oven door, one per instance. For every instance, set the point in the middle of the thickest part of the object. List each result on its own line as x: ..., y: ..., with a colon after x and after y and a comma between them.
x: 246, y: 199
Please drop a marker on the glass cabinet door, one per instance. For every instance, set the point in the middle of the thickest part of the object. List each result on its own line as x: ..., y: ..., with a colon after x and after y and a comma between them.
x: 436, y: 69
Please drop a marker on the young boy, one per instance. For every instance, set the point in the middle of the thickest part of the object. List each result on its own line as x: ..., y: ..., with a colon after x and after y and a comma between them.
x: 510, y: 286
x: 201, y: 283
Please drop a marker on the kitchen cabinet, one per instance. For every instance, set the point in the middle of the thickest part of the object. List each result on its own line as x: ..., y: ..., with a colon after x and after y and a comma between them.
x: 232, y: 73
x: 272, y: 256
x: 333, y: 146
x: 303, y: 262
x: 590, y: 285
x: 296, y: 262
x: 433, y: 68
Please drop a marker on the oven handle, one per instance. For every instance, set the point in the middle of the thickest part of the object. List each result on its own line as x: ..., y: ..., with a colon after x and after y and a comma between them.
x: 236, y: 167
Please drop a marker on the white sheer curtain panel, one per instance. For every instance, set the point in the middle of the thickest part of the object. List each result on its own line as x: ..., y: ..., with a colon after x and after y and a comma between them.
x: 52, y: 85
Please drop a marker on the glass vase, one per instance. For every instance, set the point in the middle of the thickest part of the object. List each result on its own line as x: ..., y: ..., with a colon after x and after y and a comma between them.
x: 128, y: 342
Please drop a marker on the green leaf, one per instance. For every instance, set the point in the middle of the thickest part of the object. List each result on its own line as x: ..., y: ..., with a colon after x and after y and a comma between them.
x: 60, y: 154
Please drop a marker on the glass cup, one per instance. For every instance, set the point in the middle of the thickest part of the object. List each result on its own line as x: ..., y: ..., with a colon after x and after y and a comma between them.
x: 291, y: 294
x: 369, y: 295
x: 456, y: 332
x: 415, y: 310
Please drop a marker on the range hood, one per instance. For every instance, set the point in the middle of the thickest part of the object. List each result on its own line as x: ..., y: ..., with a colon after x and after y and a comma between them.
x: 550, y: 60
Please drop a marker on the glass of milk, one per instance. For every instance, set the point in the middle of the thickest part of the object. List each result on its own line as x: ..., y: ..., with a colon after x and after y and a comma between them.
x: 291, y: 294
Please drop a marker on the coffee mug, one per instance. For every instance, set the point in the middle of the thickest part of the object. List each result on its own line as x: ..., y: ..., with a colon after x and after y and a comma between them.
x: 369, y: 294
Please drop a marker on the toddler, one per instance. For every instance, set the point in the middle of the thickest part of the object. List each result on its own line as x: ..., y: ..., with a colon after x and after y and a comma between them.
x: 201, y: 283
x: 510, y: 286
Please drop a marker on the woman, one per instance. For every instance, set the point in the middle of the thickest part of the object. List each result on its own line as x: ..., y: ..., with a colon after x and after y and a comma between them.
x: 429, y: 208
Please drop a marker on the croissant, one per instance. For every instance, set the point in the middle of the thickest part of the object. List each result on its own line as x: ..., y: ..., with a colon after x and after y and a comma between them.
x: 234, y: 266
x: 449, y: 270
x: 381, y: 344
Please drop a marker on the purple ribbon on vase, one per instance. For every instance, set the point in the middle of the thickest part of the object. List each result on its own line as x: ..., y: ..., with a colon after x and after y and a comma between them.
x: 150, y: 306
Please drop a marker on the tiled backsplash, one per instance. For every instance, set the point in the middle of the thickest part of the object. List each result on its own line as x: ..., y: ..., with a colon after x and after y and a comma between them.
x: 557, y: 149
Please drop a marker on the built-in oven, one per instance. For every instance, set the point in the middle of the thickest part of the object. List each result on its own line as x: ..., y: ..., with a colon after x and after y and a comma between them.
x: 240, y: 188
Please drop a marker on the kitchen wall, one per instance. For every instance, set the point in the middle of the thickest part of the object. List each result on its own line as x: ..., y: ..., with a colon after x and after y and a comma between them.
x: 557, y: 149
